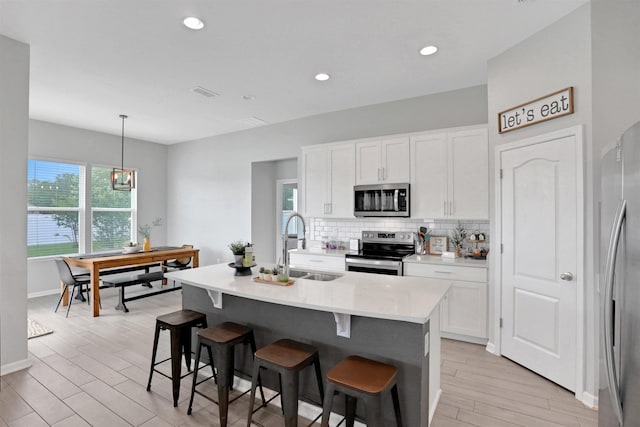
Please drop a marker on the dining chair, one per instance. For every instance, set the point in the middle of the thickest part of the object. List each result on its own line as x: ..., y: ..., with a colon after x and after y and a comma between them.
x: 69, y: 279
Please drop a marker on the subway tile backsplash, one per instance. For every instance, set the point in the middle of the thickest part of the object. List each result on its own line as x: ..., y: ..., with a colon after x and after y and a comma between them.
x: 344, y: 229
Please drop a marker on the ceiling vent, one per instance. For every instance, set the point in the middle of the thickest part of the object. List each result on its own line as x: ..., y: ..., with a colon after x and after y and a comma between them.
x: 253, y: 121
x: 204, y: 92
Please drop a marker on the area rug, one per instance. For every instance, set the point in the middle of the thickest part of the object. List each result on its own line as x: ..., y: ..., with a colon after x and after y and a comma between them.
x: 36, y: 329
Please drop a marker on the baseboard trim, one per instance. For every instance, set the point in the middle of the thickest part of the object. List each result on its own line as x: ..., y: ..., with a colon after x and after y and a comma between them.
x: 465, y: 338
x: 432, y: 409
x: 590, y: 400
x: 43, y: 293
x: 491, y: 348
x: 15, y: 366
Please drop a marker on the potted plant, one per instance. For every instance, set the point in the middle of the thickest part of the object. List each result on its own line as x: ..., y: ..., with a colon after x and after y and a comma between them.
x: 145, y: 231
x: 458, y: 235
x: 237, y: 248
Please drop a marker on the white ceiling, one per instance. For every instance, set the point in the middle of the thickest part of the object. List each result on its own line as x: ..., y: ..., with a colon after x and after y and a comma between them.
x: 92, y: 60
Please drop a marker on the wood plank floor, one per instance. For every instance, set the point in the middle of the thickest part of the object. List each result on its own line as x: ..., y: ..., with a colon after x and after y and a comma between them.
x: 93, y: 371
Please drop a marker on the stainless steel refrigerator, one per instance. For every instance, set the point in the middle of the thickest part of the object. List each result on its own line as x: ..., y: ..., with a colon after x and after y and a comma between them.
x: 619, y: 396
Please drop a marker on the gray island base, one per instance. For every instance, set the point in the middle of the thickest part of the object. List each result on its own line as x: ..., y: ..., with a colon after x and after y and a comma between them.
x: 395, y: 335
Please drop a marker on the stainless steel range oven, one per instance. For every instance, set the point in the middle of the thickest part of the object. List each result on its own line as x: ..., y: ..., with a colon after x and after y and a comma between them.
x: 382, y: 252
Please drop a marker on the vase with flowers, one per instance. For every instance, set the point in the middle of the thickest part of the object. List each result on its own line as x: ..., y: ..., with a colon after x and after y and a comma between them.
x: 145, y: 231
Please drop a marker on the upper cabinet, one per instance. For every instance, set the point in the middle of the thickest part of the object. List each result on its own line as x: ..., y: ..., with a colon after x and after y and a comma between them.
x: 327, y: 180
x: 383, y: 161
x: 450, y: 175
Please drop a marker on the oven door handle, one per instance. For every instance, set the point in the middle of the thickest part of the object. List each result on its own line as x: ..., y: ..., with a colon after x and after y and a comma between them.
x: 381, y: 263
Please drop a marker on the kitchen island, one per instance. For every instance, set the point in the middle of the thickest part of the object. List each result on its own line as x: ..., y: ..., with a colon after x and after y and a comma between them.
x: 386, y: 318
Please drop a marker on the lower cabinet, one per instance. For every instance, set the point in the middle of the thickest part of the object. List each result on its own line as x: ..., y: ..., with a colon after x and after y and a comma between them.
x: 319, y: 262
x: 463, y: 312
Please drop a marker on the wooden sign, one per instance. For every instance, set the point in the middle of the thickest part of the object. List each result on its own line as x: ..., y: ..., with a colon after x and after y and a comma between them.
x: 539, y: 110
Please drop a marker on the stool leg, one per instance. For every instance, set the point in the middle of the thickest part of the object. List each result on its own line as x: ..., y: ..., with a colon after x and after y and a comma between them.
x: 252, y: 343
x: 373, y: 410
x: 224, y: 359
x: 213, y: 366
x: 254, y: 383
x: 396, y: 404
x: 316, y: 364
x: 195, y: 377
x: 290, y: 398
x: 153, y: 355
x: 176, y: 356
x: 185, y: 337
x: 326, y: 405
x: 350, y: 404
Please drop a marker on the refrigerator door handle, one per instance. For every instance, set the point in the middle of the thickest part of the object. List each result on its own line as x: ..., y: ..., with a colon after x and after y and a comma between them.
x: 612, y: 253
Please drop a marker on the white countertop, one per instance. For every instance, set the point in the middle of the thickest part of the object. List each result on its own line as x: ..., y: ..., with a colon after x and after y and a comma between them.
x: 439, y: 260
x: 409, y: 299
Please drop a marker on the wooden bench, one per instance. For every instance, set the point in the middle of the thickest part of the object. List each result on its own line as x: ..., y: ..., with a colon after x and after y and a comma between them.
x: 136, y: 279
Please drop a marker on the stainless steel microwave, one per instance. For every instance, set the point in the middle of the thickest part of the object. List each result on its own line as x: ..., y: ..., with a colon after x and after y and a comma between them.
x: 381, y: 200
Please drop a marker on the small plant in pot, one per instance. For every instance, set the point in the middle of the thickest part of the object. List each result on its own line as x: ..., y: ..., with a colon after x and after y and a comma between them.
x: 457, y: 237
x: 237, y: 248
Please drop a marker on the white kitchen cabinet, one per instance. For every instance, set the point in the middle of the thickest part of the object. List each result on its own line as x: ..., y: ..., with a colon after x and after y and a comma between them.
x: 327, y: 180
x: 450, y: 175
x: 316, y: 261
x: 463, y: 312
x: 383, y: 161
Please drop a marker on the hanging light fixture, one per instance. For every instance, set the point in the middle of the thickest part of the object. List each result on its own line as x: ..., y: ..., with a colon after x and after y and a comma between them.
x: 123, y: 179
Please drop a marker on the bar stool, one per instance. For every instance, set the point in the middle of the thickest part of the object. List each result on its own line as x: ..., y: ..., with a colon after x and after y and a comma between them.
x: 366, y: 379
x: 222, y: 338
x: 287, y: 358
x: 179, y: 324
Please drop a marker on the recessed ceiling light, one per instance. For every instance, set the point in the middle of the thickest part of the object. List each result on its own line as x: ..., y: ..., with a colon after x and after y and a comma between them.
x: 193, y: 23
x: 248, y: 97
x: 322, y: 77
x: 428, y: 50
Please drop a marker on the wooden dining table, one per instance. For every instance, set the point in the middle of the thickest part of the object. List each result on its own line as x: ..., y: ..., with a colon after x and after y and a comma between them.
x: 94, y: 262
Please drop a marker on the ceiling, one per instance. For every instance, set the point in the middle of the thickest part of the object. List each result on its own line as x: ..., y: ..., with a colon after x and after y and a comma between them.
x: 92, y: 60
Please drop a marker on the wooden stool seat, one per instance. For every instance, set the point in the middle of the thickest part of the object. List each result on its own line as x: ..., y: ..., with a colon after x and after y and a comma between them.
x: 180, y: 318
x: 360, y: 378
x: 288, y: 358
x: 179, y: 324
x: 363, y: 374
x: 224, y: 333
x: 221, y: 341
x: 286, y: 353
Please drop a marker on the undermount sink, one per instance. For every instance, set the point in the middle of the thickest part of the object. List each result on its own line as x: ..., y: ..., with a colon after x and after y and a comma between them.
x: 313, y: 275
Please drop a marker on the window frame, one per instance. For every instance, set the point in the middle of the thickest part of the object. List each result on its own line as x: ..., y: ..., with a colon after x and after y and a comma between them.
x: 85, y: 209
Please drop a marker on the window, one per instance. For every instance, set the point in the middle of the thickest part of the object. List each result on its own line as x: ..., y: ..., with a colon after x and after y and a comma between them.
x: 289, y: 203
x: 53, y: 208
x: 112, y: 213
x: 57, y: 206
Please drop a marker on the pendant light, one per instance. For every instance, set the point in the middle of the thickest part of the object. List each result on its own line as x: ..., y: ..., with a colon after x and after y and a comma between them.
x: 123, y: 179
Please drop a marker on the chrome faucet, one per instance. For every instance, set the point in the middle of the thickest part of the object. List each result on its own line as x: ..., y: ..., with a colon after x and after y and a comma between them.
x: 285, y: 239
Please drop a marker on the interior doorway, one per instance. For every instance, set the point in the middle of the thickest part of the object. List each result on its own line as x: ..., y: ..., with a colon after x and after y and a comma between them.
x: 286, y: 204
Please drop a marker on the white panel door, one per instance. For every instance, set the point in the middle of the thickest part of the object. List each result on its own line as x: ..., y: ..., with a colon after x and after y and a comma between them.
x: 469, y: 174
x: 368, y: 166
x: 539, y: 232
x: 428, y: 175
x: 395, y: 160
x: 341, y: 180
x: 314, y: 181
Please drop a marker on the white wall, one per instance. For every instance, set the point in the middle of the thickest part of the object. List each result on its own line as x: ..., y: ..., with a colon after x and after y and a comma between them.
x: 51, y: 141
x: 555, y: 58
x: 209, y: 183
x: 14, y: 127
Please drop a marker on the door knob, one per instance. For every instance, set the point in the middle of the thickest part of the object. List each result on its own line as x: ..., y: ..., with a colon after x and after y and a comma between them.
x: 567, y: 276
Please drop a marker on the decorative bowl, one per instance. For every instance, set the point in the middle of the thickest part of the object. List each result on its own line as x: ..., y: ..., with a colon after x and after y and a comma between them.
x: 132, y: 249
